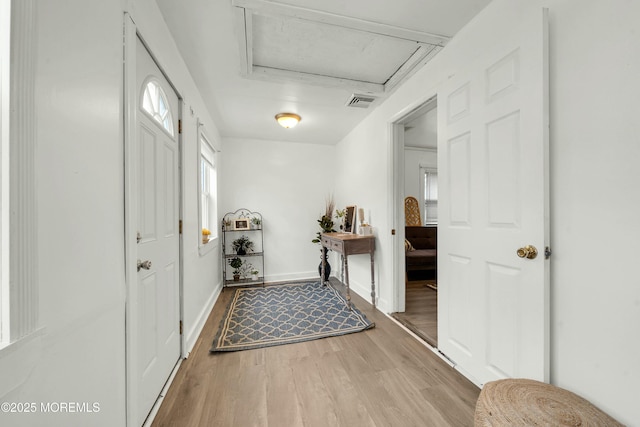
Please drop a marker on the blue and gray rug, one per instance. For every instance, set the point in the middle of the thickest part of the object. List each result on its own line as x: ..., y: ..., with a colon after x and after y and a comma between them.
x: 284, y: 314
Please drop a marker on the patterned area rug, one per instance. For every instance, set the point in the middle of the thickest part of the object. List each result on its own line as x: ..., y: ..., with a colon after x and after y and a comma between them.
x: 284, y: 314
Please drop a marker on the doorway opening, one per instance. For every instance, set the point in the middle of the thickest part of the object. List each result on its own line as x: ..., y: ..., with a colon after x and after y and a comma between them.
x: 415, y: 141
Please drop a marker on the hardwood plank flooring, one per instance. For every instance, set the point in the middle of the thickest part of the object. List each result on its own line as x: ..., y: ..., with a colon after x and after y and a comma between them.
x: 421, y: 311
x: 379, y: 377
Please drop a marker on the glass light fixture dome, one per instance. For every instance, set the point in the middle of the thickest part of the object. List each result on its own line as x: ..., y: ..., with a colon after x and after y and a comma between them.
x: 288, y: 120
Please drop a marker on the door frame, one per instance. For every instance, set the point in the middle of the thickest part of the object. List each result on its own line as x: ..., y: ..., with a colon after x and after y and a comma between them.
x: 396, y: 186
x: 130, y: 152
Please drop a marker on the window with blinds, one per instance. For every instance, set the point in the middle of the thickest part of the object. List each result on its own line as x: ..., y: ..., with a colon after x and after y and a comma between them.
x: 430, y: 195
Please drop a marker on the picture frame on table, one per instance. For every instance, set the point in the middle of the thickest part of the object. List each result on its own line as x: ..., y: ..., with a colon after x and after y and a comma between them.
x: 350, y: 219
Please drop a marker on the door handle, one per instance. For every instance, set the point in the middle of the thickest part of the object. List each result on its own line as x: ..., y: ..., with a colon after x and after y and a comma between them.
x: 145, y: 265
x: 529, y: 252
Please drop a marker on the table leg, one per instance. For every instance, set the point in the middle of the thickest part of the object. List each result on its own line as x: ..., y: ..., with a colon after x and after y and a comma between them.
x: 373, y: 284
x: 346, y: 275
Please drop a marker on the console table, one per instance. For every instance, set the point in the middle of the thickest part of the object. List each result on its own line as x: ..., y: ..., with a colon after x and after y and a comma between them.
x: 350, y: 244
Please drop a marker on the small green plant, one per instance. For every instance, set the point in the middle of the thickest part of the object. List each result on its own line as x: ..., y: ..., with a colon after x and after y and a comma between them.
x: 236, y: 264
x: 326, y: 220
x: 256, y: 221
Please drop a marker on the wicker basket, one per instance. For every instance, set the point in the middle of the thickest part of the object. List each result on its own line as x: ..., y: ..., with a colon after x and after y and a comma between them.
x: 522, y: 402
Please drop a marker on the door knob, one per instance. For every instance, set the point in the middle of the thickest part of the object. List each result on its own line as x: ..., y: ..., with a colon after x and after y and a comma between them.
x: 146, y: 265
x: 529, y: 252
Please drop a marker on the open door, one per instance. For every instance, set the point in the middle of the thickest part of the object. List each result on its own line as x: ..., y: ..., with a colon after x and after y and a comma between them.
x: 493, y: 311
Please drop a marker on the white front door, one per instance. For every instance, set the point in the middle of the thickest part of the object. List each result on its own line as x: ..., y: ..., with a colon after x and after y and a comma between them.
x: 157, y: 334
x: 493, y: 308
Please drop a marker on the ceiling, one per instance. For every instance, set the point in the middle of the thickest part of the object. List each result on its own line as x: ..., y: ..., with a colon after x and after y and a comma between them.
x: 252, y: 59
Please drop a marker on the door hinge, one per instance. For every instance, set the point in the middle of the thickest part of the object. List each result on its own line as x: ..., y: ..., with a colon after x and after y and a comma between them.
x: 181, y: 327
x: 179, y: 125
x: 180, y: 227
x: 393, y: 231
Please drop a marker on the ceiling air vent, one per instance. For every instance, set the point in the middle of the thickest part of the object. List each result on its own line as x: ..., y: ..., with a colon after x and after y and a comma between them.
x: 360, y: 101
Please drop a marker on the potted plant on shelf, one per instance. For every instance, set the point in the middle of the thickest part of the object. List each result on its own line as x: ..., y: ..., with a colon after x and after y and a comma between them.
x: 254, y: 274
x: 236, y: 264
x: 326, y: 226
x: 242, y: 245
x: 256, y: 223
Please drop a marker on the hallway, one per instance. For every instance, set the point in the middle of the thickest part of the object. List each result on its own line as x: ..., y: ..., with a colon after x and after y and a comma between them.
x: 382, y: 376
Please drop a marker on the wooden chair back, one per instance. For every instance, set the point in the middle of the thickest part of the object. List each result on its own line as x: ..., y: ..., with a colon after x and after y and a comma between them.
x: 412, y: 212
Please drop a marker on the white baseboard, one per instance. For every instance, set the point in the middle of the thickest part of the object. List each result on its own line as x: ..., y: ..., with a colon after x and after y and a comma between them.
x: 305, y: 275
x: 194, y: 332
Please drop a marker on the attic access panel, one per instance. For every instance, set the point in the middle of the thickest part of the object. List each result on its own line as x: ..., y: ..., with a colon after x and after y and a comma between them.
x: 286, y: 43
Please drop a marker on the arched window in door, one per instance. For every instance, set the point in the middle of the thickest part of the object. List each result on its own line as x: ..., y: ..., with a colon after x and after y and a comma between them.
x: 154, y: 103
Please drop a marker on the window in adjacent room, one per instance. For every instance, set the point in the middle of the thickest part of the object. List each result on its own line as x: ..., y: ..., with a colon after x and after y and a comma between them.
x: 430, y: 195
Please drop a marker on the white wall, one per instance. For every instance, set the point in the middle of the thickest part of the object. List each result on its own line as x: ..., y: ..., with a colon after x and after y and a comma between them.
x: 595, y: 147
x: 423, y: 130
x: 595, y: 62
x: 80, y: 354
x: 288, y: 183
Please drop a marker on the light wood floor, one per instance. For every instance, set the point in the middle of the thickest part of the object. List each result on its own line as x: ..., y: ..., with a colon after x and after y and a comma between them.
x: 379, y: 377
x: 421, y: 310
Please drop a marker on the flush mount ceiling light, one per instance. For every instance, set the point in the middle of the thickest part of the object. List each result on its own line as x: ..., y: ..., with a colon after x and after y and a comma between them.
x: 288, y: 120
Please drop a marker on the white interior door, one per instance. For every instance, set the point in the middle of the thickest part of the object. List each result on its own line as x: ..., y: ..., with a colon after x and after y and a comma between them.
x: 157, y: 343
x: 493, y: 309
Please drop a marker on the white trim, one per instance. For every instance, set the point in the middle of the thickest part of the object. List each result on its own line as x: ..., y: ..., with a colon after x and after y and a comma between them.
x: 423, y: 170
x: 243, y: 26
x: 209, y: 153
x: 274, y: 74
x: 424, y: 54
x: 130, y: 211
x: 5, y: 73
x: 271, y: 8
x: 396, y: 190
x: 426, y: 149
x: 204, y: 249
x: 396, y: 212
x: 22, y: 287
x: 428, y: 45
x: 192, y: 337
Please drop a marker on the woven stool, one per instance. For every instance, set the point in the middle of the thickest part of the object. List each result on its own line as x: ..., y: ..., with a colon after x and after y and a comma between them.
x: 521, y: 402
